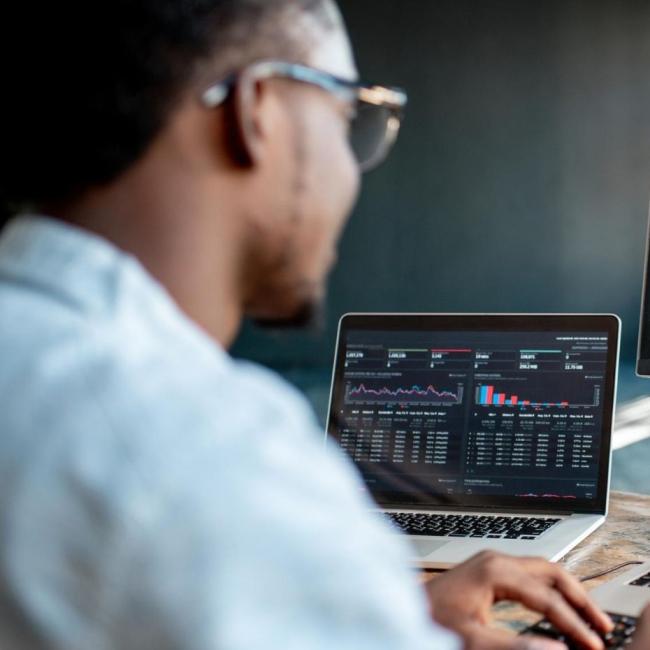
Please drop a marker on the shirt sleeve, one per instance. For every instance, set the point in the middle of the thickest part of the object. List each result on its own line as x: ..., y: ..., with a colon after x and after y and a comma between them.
x: 263, y: 540
x: 199, y: 510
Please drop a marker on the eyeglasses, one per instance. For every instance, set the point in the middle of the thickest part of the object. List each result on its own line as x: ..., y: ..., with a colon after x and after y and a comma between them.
x: 376, y: 110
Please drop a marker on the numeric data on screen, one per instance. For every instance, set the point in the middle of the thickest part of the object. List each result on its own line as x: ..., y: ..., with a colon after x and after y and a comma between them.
x: 517, y: 413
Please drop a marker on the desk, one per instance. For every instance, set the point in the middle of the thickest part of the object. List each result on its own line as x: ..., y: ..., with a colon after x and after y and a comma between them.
x: 624, y: 536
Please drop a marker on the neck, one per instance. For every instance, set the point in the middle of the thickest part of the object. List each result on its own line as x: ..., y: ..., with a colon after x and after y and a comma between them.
x: 194, y: 253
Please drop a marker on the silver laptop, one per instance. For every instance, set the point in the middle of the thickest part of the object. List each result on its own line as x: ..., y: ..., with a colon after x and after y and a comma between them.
x: 479, y: 431
x: 628, y: 594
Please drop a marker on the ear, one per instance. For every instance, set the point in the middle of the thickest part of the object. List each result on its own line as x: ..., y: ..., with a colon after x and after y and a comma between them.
x: 246, y: 121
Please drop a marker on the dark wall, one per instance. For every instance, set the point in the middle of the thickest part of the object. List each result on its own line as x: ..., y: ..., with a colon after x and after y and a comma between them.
x: 521, y: 178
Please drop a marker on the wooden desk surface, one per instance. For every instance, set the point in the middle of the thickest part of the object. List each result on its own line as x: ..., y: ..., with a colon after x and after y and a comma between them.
x: 624, y: 536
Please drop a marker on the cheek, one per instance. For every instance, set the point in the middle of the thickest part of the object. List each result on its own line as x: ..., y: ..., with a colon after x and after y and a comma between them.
x: 324, y: 188
x: 336, y: 175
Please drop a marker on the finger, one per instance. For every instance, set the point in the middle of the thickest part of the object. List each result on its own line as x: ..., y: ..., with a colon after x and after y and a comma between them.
x: 575, y: 594
x: 572, y: 590
x: 642, y: 634
x: 536, y: 643
x: 487, y: 638
x: 538, y: 596
x: 644, y: 619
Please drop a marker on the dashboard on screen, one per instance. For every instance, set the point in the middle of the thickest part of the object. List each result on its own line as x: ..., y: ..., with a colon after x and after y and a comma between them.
x: 443, y: 413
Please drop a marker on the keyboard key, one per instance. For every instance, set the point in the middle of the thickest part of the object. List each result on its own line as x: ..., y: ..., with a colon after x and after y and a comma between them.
x: 620, y: 637
x: 440, y: 525
x: 643, y: 581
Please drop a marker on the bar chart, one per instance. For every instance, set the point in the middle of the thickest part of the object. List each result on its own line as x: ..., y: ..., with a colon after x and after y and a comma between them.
x: 490, y: 395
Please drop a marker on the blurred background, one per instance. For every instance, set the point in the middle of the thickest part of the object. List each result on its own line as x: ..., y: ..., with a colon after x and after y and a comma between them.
x: 520, y: 181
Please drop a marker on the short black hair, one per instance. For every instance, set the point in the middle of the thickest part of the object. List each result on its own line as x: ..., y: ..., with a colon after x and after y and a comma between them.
x: 88, y: 84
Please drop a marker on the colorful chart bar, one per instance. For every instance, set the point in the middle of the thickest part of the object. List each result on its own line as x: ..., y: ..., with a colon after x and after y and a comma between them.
x: 487, y: 396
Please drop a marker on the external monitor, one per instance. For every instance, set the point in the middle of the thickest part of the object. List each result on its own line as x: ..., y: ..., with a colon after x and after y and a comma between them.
x: 643, y: 354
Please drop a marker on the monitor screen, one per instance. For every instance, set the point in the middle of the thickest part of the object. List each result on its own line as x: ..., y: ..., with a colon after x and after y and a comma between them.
x: 643, y: 355
x: 503, y: 411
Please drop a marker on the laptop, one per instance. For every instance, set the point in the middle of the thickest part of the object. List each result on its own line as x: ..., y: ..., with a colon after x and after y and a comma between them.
x: 628, y: 594
x: 479, y: 431
x: 623, y: 598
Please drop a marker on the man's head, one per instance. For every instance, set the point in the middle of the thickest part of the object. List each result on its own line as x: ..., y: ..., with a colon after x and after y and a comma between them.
x: 104, y: 125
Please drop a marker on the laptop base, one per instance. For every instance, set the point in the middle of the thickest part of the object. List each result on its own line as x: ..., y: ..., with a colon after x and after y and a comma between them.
x: 446, y: 552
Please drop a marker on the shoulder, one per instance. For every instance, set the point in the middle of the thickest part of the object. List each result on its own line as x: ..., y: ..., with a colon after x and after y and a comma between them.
x: 192, y: 414
x: 201, y: 485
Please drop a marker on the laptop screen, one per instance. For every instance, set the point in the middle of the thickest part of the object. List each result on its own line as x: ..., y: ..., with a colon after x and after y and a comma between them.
x: 498, y: 411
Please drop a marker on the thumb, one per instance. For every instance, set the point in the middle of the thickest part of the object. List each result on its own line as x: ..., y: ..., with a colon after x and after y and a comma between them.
x: 642, y: 634
x: 485, y: 638
x: 536, y: 643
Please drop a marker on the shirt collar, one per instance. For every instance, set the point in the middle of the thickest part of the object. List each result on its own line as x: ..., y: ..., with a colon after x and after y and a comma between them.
x: 58, y: 257
x: 91, y: 275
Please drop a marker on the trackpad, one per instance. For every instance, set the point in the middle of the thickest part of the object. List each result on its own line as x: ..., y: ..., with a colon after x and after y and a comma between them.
x: 424, y: 547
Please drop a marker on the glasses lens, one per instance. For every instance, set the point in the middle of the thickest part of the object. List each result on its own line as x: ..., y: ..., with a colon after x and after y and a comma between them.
x: 371, y: 134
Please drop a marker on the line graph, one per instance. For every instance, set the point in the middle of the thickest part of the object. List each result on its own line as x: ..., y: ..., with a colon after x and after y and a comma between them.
x: 532, y: 495
x: 378, y: 392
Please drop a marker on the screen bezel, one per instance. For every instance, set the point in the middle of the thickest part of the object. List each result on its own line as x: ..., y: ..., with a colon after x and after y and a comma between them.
x: 569, y: 323
x: 643, y: 348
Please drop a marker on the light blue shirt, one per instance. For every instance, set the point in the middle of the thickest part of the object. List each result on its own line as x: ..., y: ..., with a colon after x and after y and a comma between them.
x: 156, y: 494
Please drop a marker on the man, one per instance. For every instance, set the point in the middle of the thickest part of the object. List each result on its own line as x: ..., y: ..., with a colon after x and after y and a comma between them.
x: 155, y: 493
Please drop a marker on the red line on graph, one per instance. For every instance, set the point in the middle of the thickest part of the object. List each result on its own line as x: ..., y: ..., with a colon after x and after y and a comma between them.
x: 449, y: 350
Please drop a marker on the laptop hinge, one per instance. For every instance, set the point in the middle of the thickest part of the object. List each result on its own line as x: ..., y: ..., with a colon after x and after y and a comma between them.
x: 482, y: 509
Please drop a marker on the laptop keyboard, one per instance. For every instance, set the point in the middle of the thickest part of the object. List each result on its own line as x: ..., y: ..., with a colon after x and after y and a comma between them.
x: 643, y: 581
x: 620, y: 637
x: 475, y: 526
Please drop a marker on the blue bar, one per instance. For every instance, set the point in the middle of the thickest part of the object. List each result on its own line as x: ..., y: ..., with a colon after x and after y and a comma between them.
x: 495, y: 399
x: 483, y: 395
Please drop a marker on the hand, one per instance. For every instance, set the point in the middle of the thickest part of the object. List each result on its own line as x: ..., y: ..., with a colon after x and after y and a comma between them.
x: 461, y: 600
x: 642, y: 636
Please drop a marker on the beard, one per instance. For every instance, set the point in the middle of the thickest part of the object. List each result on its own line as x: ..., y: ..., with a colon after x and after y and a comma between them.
x: 310, y: 316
